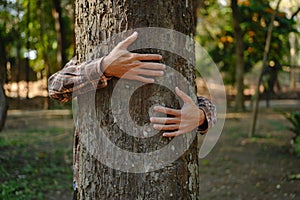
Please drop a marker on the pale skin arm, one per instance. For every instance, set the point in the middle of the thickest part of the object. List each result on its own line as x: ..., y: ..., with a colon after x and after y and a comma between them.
x: 182, y: 121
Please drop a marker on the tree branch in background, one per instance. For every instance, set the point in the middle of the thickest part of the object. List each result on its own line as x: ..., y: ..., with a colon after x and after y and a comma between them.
x: 295, y: 13
x: 264, y: 66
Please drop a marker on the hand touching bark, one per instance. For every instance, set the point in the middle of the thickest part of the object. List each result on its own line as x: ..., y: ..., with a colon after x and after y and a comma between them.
x: 121, y: 63
x: 182, y: 121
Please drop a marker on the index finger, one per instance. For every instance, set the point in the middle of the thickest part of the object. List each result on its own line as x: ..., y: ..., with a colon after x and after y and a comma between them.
x: 185, y: 98
x: 128, y: 41
x: 148, y: 56
x: 166, y: 110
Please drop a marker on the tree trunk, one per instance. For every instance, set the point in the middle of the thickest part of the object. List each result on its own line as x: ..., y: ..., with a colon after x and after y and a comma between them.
x: 3, y: 99
x: 3, y: 59
x: 239, y: 52
x: 60, y: 33
x: 18, y: 67
x: 263, y: 70
x: 3, y: 106
x: 44, y: 50
x: 96, y: 21
x: 3, y: 78
x: 293, y: 58
x: 27, y: 62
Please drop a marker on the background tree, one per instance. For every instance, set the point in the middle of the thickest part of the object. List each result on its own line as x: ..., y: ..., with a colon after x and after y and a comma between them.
x: 3, y: 106
x: 30, y: 40
x: 217, y: 36
x: 5, y: 37
x: 239, y: 56
x: 96, y: 21
x: 60, y: 32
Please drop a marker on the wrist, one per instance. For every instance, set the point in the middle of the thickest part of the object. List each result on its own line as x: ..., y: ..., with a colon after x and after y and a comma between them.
x: 203, y: 123
x: 103, y: 66
x: 201, y: 117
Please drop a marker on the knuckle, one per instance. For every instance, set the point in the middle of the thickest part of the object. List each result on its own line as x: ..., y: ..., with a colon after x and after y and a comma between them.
x: 132, y: 67
x: 133, y: 56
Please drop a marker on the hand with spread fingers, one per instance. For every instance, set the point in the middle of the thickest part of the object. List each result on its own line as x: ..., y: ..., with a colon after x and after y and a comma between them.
x: 121, y: 63
x: 182, y: 121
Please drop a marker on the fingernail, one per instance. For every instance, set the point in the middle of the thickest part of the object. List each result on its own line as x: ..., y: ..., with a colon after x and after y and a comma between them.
x: 134, y: 34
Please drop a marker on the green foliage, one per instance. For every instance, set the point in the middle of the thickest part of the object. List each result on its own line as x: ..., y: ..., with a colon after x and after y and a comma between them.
x: 29, y: 25
x: 215, y: 33
x: 297, y: 146
x: 294, y: 119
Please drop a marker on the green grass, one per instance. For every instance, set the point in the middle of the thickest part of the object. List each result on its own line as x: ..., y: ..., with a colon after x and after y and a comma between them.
x: 35, y: 162
x: 277, y: 126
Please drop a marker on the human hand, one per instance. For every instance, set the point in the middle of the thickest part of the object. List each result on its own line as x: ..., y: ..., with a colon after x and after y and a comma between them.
x: 185, y: 120
x: 121, y: 63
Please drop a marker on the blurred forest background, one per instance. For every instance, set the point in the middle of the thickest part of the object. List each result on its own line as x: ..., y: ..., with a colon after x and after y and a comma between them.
x: 254, y: 43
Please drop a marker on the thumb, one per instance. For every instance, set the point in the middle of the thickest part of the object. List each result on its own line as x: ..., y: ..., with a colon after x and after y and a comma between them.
x: 185, y: 98
x: 128, y: 41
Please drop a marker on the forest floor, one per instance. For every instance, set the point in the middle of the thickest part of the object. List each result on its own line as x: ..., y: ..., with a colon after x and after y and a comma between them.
x: 260, y: 168
x: 36, y: 158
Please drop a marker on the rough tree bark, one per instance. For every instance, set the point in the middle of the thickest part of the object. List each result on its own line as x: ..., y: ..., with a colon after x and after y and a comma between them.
x: 239, y: 52
x: 96, y: 21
